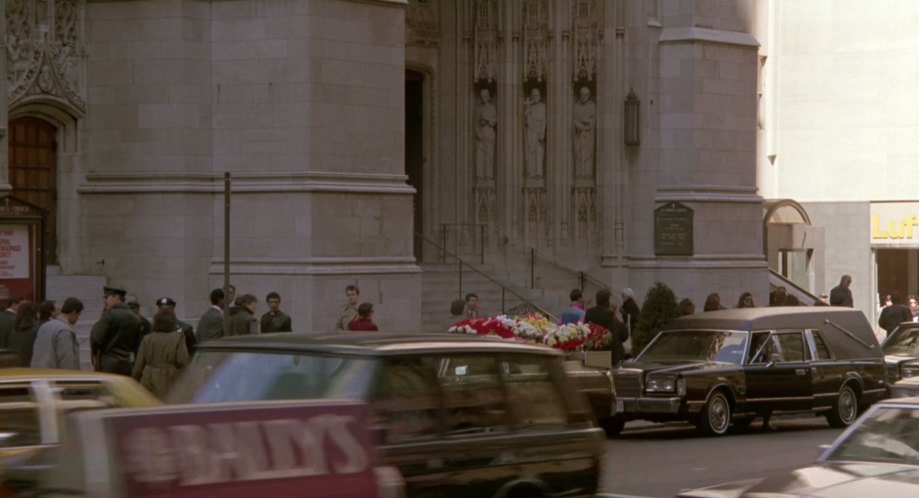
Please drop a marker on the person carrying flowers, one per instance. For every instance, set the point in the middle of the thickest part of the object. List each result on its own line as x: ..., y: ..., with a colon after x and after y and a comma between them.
x: 603, y: 315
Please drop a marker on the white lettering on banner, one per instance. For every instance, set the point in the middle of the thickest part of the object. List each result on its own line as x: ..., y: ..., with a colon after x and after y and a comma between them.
x: 244, y: 451
x: 152, y: 457
x: 337, y: 427
x: 14, y: 251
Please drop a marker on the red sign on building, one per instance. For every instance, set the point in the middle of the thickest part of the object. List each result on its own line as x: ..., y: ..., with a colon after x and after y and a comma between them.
x: 21, y: 267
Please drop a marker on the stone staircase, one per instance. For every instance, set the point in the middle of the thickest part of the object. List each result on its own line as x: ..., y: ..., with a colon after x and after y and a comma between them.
x: 546, y: 286
x: 440, y: 285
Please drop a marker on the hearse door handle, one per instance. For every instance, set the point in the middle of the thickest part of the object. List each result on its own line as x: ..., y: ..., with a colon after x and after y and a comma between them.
x: 800, y: 371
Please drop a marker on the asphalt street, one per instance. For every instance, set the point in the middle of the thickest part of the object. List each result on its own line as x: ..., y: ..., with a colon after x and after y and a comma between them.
x: 654, y: 460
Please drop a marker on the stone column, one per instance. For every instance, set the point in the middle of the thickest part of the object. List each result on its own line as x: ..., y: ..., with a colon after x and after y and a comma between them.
x: 5, y: 186
x: 510, y: 114
x: 559, y: 155
x: 707, y: 161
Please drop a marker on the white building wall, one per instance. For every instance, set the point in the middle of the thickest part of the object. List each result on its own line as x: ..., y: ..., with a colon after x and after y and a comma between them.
x: 847, y: 127
x: 840, y: 120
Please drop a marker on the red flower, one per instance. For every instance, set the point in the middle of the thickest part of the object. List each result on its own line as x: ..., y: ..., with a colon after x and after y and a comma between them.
x: 599, y: 339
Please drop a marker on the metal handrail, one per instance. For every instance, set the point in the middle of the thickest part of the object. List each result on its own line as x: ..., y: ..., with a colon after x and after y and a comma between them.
x: 582, y: 275
x: 503, y: 287
x: 480, y: 227
x: 789, y: 283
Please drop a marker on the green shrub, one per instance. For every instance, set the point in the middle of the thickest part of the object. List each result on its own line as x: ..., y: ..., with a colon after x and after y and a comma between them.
x: 658, y: 309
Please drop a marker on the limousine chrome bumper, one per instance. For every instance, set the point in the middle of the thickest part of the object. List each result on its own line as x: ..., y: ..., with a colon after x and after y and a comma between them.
x: 649, y: 405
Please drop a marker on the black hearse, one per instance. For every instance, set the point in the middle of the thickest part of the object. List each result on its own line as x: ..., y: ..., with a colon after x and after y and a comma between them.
x: 727, y: 366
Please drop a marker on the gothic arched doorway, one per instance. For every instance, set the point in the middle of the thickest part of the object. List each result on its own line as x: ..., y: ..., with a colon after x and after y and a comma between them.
x: 414, y: 147
x: 33, y: 172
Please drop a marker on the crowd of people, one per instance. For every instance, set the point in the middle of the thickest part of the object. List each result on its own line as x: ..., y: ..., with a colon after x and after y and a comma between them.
x: 122, y: 340
x: 622, y: 321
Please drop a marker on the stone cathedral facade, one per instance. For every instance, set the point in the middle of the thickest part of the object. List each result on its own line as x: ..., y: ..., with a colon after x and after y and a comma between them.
x: 348, y: 127
x: 526, y: 130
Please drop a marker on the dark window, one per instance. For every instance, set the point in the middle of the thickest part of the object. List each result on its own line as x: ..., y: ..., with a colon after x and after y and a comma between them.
x: 406, y: 400
x: 791, y: 346
x: 83, y: 394
x: 760, y: 349
x: 20, y: 417
x: 219, y: 376
x: 473, y: 400
x: 823, y: 352
x: 532, y: 394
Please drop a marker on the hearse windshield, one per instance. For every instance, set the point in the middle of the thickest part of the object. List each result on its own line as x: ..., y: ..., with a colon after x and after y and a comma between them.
x: 679, y: 346
x: 904, y: 342
x: 221, y: 376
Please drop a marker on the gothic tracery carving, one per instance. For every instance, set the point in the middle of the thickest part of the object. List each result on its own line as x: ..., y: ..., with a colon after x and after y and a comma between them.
x: 585, y: 211
x: 44, y: 48
x: 586, y: 15
x: 535, y: 39
x: 486, y: 40
x: 484, y: 200
x: 421, y: 26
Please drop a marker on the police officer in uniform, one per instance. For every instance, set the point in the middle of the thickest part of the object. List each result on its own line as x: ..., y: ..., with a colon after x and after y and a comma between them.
x: 187, y: 330
x: 115, y: 337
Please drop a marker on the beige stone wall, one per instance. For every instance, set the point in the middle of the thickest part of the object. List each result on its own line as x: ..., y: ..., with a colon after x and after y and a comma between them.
x: 700, y: 110
x: 692, y: 64
x: 302, y: 102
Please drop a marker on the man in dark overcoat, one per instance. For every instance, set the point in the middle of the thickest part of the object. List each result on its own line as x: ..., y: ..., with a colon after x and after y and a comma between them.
x: 115, y: 337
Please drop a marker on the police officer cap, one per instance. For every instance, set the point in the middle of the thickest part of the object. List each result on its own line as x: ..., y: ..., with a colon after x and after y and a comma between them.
x: 114, y: 289
x: 165, y: 302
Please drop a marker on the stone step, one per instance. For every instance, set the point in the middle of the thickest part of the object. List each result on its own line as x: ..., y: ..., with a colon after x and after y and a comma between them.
x: 551, y: 285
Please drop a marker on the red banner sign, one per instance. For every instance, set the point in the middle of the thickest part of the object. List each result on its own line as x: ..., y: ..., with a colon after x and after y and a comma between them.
x: 304, y: 450
x: 17, y: 272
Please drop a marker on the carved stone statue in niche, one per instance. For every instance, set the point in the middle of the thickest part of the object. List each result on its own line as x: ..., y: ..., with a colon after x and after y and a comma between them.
x: 585, y: 119
x: 534, y: 120
x: 486, y: 120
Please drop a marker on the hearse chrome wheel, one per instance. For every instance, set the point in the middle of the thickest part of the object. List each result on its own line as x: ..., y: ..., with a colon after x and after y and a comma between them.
x: 846, y: 409
x: 716, y: 415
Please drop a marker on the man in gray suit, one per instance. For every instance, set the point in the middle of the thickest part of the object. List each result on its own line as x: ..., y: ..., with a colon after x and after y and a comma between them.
x: 210, y: 325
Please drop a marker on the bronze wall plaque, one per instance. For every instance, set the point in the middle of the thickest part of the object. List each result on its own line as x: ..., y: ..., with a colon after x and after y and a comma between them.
x: 673, y: 230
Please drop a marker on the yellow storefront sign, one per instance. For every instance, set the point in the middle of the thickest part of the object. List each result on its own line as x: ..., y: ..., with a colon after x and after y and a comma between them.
x: 895, y: 223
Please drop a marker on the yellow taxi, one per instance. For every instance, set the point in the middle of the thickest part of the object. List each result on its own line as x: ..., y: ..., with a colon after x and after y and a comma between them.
x: 34, y: 404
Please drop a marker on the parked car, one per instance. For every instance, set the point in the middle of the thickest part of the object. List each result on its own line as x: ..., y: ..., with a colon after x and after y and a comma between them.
x: 877, y: 456
x: 905, y: 388
x: 457, y: 415
x: 735, y: 365
x: 901, y: 347
x: 33, y: 405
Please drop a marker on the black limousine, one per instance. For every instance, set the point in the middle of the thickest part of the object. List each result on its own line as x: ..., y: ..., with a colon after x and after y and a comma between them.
x: 731, y: 366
